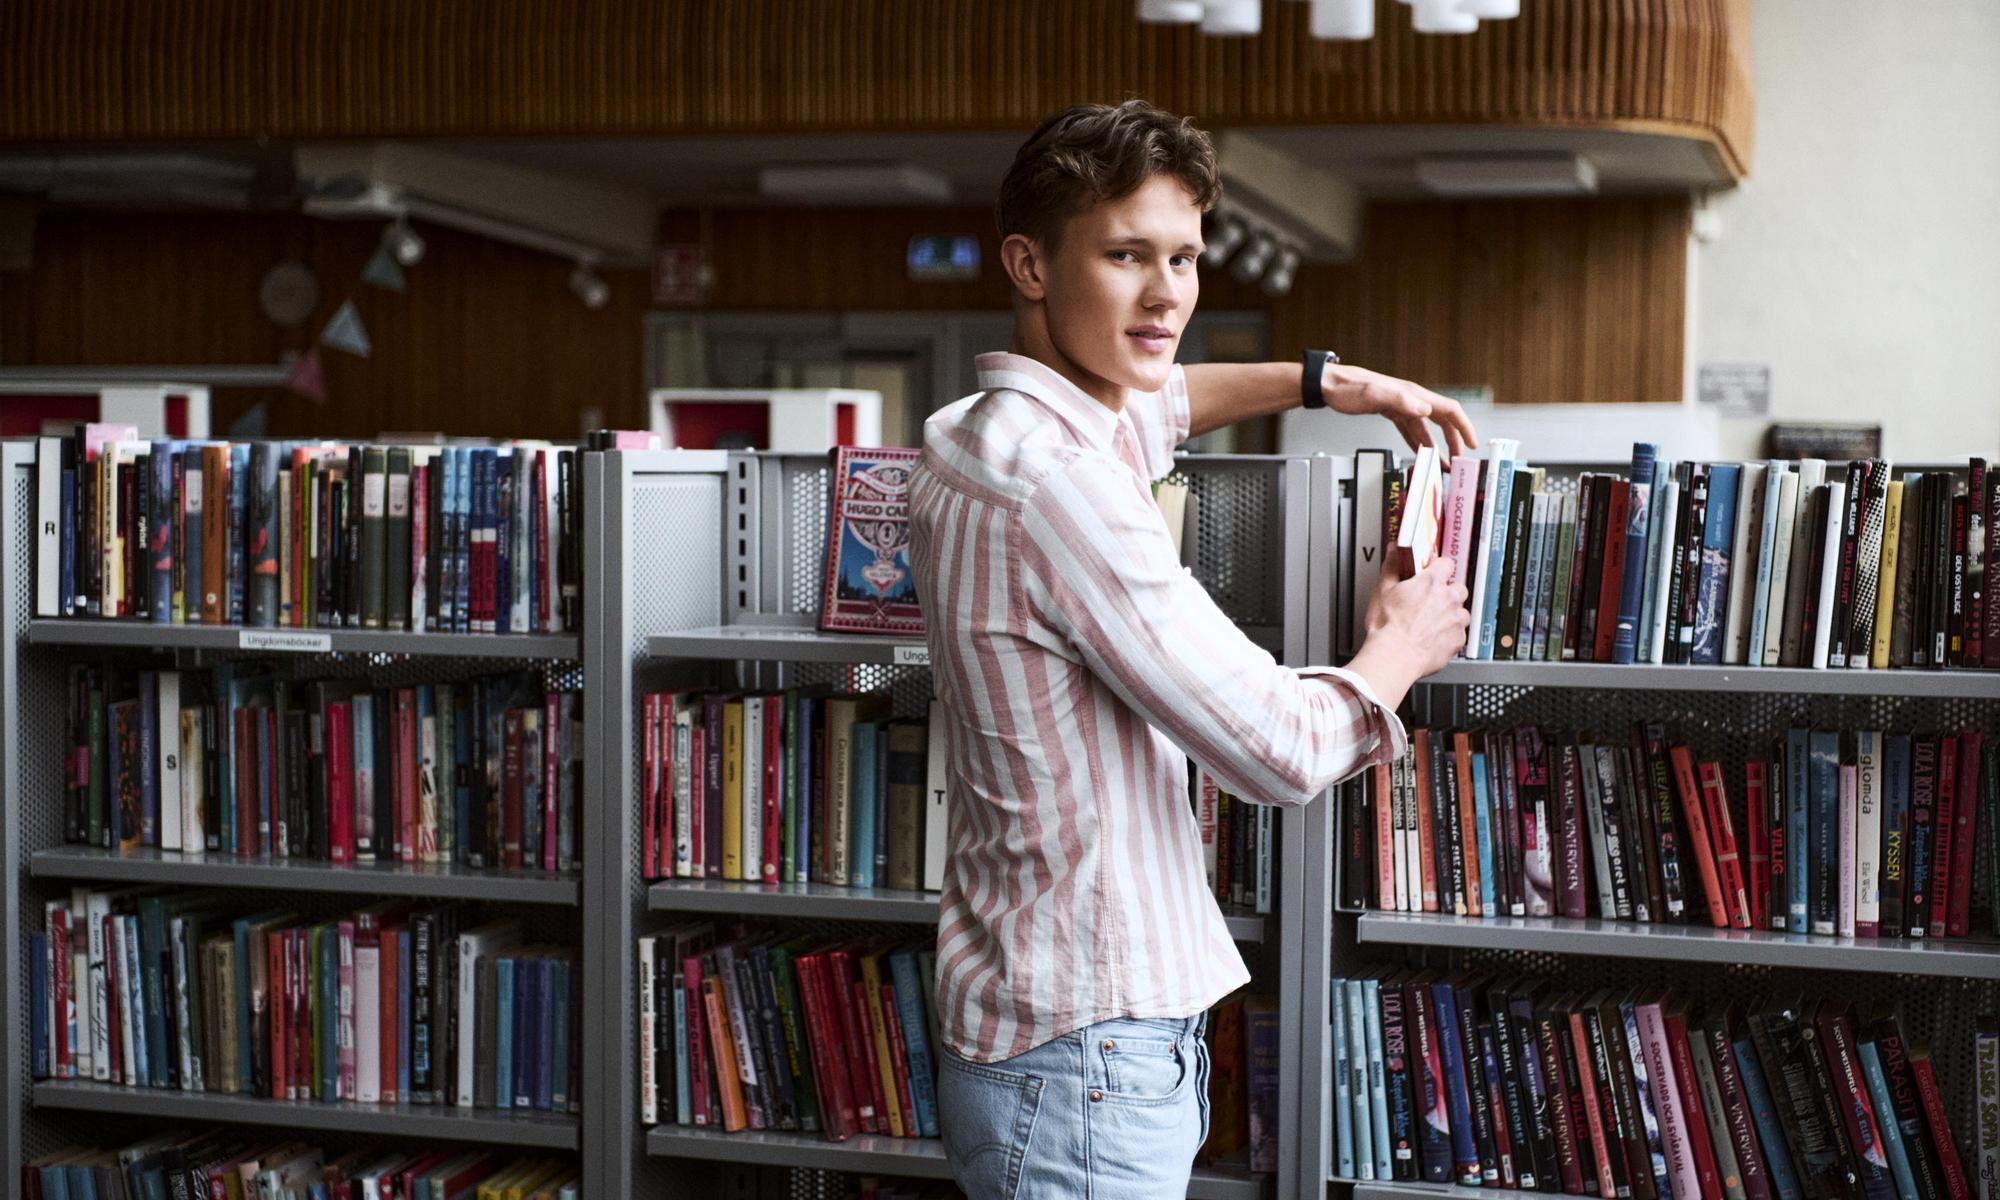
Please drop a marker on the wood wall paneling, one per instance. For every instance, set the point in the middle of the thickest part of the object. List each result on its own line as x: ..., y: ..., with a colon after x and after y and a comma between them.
x: 135, y: 70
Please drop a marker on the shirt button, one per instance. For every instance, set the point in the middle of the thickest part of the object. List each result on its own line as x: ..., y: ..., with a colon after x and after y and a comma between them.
x: 1096, y: 1095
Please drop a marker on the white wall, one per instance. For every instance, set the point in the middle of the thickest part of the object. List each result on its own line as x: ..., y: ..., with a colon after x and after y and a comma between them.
x: 1862, y: 257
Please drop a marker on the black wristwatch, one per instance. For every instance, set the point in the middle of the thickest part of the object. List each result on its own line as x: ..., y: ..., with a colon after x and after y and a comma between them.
x: 1310, y: 394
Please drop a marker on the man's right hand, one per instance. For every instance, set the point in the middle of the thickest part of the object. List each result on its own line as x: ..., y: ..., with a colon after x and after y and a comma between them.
x: 1413, y: 628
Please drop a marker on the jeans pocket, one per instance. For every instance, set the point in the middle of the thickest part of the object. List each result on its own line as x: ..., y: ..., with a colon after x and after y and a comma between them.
x: 1143, y: 1069
x: 987, y: 1116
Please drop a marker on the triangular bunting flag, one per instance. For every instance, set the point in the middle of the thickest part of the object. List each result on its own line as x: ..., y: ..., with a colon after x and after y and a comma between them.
x: 344, y: 332
x: 306, y: 378
x: 383, y: 270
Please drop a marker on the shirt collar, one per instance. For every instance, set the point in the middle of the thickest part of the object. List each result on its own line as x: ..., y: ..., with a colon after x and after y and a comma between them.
x: 1092, y: 421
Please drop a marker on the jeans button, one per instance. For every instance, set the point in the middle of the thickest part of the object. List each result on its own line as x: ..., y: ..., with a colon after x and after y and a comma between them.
x: 1096, y: 1095
x: 1107, y: 1043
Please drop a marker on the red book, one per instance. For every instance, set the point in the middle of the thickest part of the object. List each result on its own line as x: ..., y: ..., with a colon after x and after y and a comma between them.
x: 112, y: 962
x: 420, y: 523
x: 1857, y: 1108
x: 1385, y: 841
x: 1976, y: 599
x: 1612, y: 580
x: 836, y: 1094
x: 860, y: 1043
x: 651, y: 858
x: 697, y: 769
x: 277, y: 993
x: 1676, y: 1016
x: 1698, y: 840
x: 61, y: 1012
x: 1990, y: 602
x: 1958, y: 905
x: 1722, y: 832
x: 1426, y: 834
x: 1944, y: 822
x: 1593, y: 1114
x: 1755, y: 805
x: 774, y: 781
x: 339, y: 742
x: 552, y: 704
x: 510, y: 789
x: 404, y: 705
x: 1940, y: 1125
x: 391, y: 1015
x: 544, y: 621
x: 899, y: 1059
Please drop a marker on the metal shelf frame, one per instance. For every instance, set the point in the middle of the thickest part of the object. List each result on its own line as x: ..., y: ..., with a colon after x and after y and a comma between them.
x: 1959, y: 684
x: 491, y: 1126
x: 419, y: 881
x: 237, y: 639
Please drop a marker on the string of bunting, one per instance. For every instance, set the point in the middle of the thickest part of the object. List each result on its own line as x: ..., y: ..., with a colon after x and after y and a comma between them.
x: 400, y: 247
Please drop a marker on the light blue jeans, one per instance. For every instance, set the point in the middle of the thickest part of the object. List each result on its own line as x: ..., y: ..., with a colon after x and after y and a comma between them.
x: 1113, y: 1111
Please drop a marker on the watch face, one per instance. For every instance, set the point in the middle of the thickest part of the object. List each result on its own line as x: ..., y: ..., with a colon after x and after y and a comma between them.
x: 288, y: 294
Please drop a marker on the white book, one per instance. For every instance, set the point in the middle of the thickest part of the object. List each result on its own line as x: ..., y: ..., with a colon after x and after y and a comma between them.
x: 166, y: 733
x: 936, y: 768
x: 1343, y: 552
x: 1593, y: 814
x: 1649, y: 594
x: 48, y: 527
x: 1744, y: 546
x: 1812, y: 473
x: 96, y: 908
x: 753, y: 790
x: 1868, y: 826
x: 1357, y: 1082
x: 550, y: 583
x: 1663, y: 548
x: 116, y: 949
x: 484, y: 941
x: 649, y: 1084
x: 1498, y: 478
x: 135, y: 987
x: 194, y: 836
x: 517, y: 610
x: 368, y: 1022
x: 687, y: 711
x: 1369, y: 466
x: 1207, y: 798
x: 1781, y: 490
x: 1829, y: 570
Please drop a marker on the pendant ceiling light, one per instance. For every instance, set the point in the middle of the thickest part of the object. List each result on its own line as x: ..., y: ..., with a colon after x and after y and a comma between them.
x: 1331, y: 20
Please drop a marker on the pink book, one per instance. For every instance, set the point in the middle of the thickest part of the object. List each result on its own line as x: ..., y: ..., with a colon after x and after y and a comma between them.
x: 420, y: 505
x: 551, y: 767
x: 1459, y: 513
x: 1958, y: 902
x: 1385, y: 837
x: 1667, y: 1096
x: 1845, y: 898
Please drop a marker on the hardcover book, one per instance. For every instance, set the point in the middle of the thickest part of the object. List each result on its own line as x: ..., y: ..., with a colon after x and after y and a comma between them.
x: 869, y: 588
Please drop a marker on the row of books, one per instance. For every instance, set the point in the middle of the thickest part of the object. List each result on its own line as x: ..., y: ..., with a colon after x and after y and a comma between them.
x: 224, y: 1164
x: 1859, y: 834
x: 1238, y: 843
x: 1777, y: 563
x: 1520, y: 1083
x: 791, y: 787
x: 392, y: 1004
x: 762, y: 1032
x: 309, y: 535
x: 241, y: 760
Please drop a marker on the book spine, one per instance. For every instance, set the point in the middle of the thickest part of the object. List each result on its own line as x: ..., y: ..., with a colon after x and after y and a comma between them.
x: 1632, y: 575
x: 1966, y: 817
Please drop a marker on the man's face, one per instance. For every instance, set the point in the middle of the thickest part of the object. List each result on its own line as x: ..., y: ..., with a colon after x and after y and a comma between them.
x: 1121, y: 284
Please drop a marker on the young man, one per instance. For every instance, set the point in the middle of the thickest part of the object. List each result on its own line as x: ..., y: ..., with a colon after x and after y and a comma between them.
x: 1079, y: 666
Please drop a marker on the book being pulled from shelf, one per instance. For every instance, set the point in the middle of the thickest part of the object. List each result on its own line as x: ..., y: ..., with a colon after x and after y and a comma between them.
x: 1812, y: 831
x: 225, y: 1162
x: 1776, y: 563
x: 1508, y: 1081
x: 242, y: 759
x: 308, y: 535
x: 395, y: 1003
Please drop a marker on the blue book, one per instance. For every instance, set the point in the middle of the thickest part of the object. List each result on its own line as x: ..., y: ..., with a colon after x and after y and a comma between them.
x: 38, y: 1003
x: 403, y: 973
x: 1343, y: 1102
x: 1363, y: 1112
x: 329, y: 1023
x: 1642, y: 1083
x: 503, y: 1029
x: 1767, y: 532
x: 1918, y: 864
x: 861, y: 855
x: 1798, y: 822
x: 1764, y: 1113
x: 1502, y: 482
x: 1823, y: 851
x: 161, y: 533
x: 527, y: 1029
x: 1892, y: 1131
x: 882, y: 802
x: 1378, y: 1089
x: 55, y: 1183
x: 551, y: 1034
x: 82, y: 1182
x: 1458, y: 1101
x: 557, y: 1073
x: 1632, y: 580
x: 916, y: 1039
x: 1482, y: 817
x: 1895, y: 831
x: 501, y: 506
x: 239, y: 510
x: 1717, y: 537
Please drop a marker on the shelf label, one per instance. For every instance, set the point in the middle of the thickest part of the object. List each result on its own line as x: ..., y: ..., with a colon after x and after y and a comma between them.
x: 912, y: 656
x: 295, y: 642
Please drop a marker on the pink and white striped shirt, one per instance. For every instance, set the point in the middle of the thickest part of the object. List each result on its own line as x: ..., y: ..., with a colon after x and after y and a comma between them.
x: 1076, y: 660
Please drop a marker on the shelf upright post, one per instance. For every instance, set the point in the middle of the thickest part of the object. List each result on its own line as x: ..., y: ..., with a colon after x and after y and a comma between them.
x: 17, y: 552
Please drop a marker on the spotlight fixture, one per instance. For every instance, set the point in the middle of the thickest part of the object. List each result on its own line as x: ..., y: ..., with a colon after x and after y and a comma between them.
x: 589, y: 287
x: 1170, y: 12
x: 404, y: 243
x: 1232, y: 18
x: 1278, y: 280
x: 1442, y: 16
x: 1229, y: 235
x: 1251, y: 263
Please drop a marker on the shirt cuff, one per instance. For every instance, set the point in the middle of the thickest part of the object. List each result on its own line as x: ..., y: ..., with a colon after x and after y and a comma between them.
x: 1391, y: 741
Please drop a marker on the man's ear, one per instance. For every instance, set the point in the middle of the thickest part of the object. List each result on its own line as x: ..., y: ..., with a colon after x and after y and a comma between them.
x: 1022, y: 258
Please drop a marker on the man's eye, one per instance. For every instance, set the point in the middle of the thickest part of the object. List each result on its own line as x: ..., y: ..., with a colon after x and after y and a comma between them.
x: 1183, y: 260
x: 1124, y: 256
